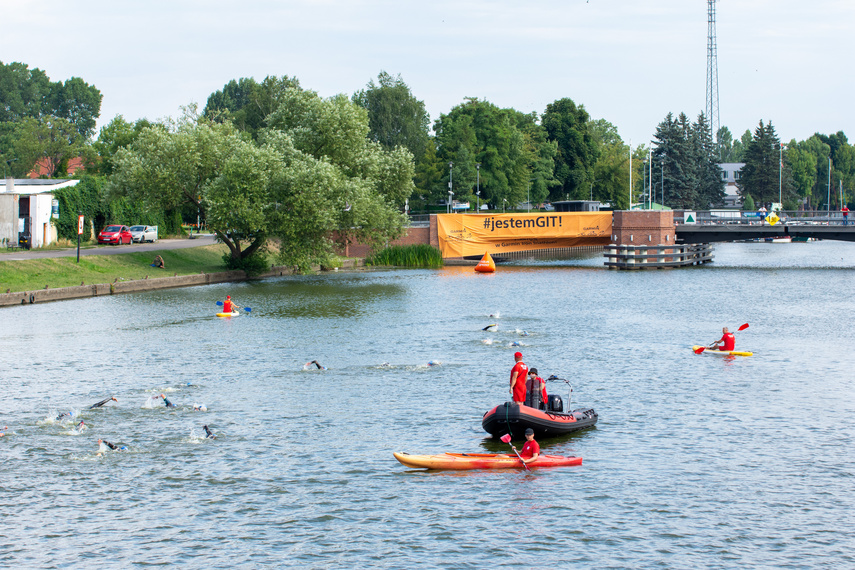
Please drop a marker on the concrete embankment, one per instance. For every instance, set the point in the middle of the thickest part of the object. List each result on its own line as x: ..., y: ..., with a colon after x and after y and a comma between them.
x: 137, y: 285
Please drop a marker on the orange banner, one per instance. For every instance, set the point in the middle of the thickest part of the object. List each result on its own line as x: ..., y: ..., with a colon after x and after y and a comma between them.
x: 464, y: 235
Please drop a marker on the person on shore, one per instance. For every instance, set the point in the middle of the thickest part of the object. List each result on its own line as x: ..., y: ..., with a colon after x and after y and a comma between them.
x: 102, y: 402
x: 727, y: 340
x: 535, y: 390
x: 761, y: 213
x: 166, y: 401
x: 227, y: 304
x: 531, y: 450
x: 208, y: 433
x: 518, y: 375
x: 845, y: 211
x: 158, y: 262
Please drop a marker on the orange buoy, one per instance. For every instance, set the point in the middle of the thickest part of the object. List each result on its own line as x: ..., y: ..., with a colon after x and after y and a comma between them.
x: 486, y: 265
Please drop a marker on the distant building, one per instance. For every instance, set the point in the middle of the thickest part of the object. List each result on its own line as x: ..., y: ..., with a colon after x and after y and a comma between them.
x: 730, y: 174
x: 577, y: 206
x: 26, y: 208
x: 43, y: 167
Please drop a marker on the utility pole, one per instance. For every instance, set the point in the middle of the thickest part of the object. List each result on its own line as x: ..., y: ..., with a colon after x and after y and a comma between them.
x: 712, y: 74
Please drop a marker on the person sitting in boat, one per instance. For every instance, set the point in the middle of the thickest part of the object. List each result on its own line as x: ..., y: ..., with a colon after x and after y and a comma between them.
x: 227, y: 304
x: 102, y: 402
x: 166, y: 401
x: 158, y: 262
x: 518, y: 375
x: 727, y: 340
x: 531, y: 450
x: 535, y: 390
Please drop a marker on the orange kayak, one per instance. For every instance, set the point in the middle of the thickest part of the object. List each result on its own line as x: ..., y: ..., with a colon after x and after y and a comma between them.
x: 481, y: 461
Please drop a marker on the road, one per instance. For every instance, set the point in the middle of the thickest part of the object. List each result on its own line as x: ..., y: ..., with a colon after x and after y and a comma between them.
x: 21, y: 254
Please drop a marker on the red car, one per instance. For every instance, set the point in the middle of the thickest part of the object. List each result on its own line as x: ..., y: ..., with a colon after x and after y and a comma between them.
x: 116, y: 235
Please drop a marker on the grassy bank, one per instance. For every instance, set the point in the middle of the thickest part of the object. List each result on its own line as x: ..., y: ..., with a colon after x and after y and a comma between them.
x: 33, y: 274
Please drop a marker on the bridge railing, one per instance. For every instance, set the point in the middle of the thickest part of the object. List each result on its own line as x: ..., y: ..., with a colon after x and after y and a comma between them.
x: 789, y: 217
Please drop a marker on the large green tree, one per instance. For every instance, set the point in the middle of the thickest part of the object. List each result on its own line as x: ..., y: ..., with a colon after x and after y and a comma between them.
x: 395, y: 116
x: 763, y: 176
x: 116, y: 134
x: 567, y: 125
x: 49, y: 141
x: 312, y: 177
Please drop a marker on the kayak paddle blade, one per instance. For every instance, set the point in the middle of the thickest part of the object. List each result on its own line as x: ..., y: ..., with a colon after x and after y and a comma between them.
x: 700, y: 349
x: 743, y: 327
x: 506, y: 438
x: 220, y: 303
x: 247, y: 309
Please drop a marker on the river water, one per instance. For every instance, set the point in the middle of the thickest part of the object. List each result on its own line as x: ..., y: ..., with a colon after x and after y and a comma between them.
x: 697, y: 461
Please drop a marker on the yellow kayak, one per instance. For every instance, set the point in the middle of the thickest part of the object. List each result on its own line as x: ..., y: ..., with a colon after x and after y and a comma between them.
x: 232, y: 314
x: 722, y: 352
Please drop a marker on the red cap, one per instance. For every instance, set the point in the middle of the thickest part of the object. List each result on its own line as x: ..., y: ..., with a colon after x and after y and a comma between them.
x: 228, y: 296
x: 518, y: 355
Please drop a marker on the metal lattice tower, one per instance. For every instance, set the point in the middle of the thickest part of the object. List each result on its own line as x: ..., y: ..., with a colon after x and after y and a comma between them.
x: 712, y: 73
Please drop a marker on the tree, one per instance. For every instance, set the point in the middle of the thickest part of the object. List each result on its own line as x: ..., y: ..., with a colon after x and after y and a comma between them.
x: 49, y: 141
x: 247, y: 103
x: 116, y: 134
x: 78, y: 102
x: 567, y: 125
x: 395, y: 116
x: 709, y: 173
x: 763, y: 176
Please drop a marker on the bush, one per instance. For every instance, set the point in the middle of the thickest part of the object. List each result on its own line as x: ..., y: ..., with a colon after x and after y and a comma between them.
x: 253, y: 265
x: 421, y: 255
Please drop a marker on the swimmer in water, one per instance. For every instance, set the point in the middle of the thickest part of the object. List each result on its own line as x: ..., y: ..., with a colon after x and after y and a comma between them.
x: 491, y: 328
x: 2, y: 433
x: 80, y: 427
x: 208, y: 433
x: 199, y: 408
x: 104, y: 442
x: 316, y: 363
x: 102, y: 402
x: 166, y: 402
x: 63, y: 415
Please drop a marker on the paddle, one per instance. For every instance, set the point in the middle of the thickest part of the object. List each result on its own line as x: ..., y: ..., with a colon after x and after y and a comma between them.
x: 700, y: 349
x: 507, y: 439
x: 247, y: 309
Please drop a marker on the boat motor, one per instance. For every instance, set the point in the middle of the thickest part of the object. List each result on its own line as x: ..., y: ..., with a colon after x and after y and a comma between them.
x: 559, y: 403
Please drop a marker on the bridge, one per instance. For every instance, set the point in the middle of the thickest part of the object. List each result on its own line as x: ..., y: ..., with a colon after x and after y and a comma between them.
x: 744, y: 226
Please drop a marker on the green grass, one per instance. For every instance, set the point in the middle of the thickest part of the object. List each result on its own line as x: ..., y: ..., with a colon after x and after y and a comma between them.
x: 33, y: 274
x: 419, y: 255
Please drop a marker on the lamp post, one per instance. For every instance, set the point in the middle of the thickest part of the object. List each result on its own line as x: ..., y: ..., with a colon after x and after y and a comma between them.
x: 828, y: 199
x: 662, y: 179
x: 450, y: 178
x: 780, y: 171
x: 528, y: 196
x: 644, y: 184
x: 592, y: 189
x: 504, y: 201
x: 478, y: 186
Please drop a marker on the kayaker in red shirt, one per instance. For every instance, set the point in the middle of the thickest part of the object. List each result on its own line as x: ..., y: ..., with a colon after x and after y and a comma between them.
x: 727, y: 338
x: 518, y: 374
x: 227, y: 304
x: 531, y: 450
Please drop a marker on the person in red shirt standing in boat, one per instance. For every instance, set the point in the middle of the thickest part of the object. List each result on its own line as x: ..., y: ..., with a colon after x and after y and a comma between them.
x: 531, y: 450
x: 227, y: 304
x: 727, y: 340
x: 518, y: 376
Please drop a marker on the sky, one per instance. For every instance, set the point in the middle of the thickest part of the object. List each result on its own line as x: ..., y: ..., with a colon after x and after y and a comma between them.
x: 630, y: 62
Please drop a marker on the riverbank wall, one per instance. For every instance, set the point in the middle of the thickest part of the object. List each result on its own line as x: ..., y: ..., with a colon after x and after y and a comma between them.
x: 138, y: 285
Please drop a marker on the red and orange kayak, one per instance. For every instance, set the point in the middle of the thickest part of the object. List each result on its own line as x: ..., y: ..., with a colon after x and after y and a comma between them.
x: 482, y: 461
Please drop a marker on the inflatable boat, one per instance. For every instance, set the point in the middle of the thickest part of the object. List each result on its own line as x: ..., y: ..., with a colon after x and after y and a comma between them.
x: 515, y: 419
x: 461, y: 461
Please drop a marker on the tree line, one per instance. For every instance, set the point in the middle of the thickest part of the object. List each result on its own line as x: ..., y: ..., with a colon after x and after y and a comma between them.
x: 271, y: 160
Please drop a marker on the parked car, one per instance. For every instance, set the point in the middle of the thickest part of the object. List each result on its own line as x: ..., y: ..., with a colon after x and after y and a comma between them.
x: 143, y: 234
x: 116, y: 235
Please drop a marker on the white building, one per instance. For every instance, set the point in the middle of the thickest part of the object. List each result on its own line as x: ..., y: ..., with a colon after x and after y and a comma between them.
x: 26, y: 208
x: 730, y: 174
